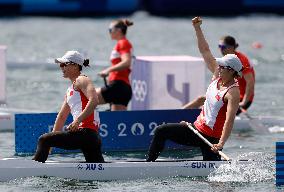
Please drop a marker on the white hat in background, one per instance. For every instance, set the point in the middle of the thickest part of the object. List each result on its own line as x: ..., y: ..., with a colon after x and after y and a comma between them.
x: 232, y: 61
x: 71, y: 56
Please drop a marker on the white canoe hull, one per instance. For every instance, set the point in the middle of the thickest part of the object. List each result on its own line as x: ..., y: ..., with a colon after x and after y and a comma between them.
x: 16, y: 168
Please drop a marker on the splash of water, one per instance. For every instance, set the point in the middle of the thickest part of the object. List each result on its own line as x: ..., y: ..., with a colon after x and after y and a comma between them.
x: 276, y: 129
x: 260, y: 167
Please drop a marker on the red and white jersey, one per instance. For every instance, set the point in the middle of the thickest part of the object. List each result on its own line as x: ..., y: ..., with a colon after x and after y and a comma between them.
x: 123, y: 46
x: 213, y: 115
x: 77, y: 102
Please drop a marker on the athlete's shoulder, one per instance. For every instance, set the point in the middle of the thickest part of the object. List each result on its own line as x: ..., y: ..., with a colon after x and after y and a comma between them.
x: 82, y: 79
x: 234, y: 92
x: 124, y: 43
x: 243, y: 58
x: 240, y: 54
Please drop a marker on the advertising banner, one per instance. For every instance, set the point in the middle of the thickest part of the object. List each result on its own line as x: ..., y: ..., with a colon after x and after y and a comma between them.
x: 119, y: 130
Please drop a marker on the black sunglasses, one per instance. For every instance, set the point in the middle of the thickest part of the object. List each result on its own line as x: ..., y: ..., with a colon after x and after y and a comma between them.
x: 225, y: 67
x: 110, y: 30
x: 65, y: 64
x: 222, y: 46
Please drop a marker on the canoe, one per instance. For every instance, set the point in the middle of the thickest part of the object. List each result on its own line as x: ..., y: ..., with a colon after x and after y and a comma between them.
x: 13, y: 168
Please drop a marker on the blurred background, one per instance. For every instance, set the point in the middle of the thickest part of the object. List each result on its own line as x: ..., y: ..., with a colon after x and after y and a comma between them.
x: 157, y: 7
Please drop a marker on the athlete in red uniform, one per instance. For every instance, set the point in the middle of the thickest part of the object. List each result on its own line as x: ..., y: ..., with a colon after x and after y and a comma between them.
x: 118, y: 92
x: 228, y: 45
x: 80, y: 100
x: 216, y: 119
x: 246, y: 82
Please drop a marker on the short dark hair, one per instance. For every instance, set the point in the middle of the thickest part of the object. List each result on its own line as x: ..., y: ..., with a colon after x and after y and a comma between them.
x: 230, y: 41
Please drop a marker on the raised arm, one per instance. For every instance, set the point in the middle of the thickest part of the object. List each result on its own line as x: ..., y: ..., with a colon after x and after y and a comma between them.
x: 203, y: 46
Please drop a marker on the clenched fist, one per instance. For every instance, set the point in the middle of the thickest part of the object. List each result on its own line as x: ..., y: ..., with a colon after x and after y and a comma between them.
x: 196, y: 21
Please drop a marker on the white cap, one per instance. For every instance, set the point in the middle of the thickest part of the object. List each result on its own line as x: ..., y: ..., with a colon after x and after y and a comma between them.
x: 231, y: 60
x: 71, y: 56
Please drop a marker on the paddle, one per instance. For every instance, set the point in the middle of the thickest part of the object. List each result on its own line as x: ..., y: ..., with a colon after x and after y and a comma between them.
x: 253, y: 122
x: 106, y: 85
x: 105, y: 81
x: 206, y: 141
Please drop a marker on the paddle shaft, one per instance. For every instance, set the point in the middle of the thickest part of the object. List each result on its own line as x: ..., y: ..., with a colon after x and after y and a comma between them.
x: 105, y: 81
x: 106, y: 85
x: 246, y: 113
x: 253, y: 122
x: 207, y: 142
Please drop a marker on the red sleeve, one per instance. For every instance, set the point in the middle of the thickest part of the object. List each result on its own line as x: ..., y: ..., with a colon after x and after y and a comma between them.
x: 124, y: 47
x: 247, y: 68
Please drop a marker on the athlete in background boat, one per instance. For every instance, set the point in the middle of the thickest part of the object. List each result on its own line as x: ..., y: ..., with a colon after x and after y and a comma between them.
x: 228, y: 45
x: 80, y: 100
x: 118, y: 92
x: 216, y: 119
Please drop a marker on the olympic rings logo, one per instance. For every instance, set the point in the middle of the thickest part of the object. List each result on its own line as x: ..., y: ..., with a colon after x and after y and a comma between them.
x: 139, y: 90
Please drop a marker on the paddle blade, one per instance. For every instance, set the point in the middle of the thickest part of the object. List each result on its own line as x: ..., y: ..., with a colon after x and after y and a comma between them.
x: 257, y: 125
x: 254, y: 123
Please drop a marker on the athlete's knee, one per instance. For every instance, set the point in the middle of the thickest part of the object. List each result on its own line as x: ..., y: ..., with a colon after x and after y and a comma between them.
x: 160, y: 130
x: 43, y: 139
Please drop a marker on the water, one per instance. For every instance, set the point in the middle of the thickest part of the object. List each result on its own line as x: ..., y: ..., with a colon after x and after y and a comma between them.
x: 39, y: 39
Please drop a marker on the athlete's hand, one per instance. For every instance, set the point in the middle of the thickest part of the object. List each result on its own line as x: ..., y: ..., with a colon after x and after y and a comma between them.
x: 104, y: 73
x: 242, y: 104
x: 196, y: 21
x: 217, y: 147
x: 73, y: 126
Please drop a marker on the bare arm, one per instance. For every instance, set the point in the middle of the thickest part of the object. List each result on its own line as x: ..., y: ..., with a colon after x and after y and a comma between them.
x: 88, y: 89
x: 195, y: 104
x: 249, y: 88
x: 233, y: 99
x: 124, y: 64
x: 203, y: 46
x: 61, y: 117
